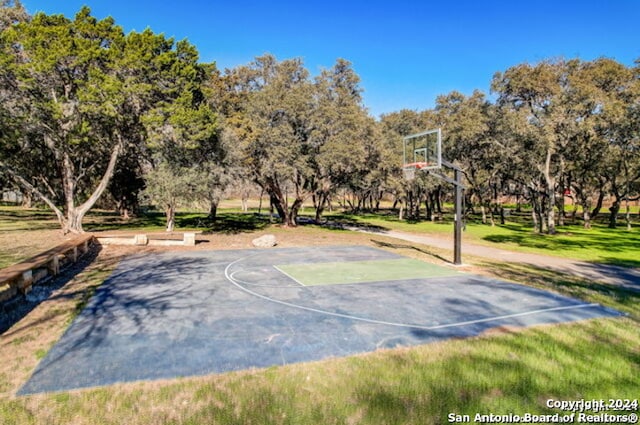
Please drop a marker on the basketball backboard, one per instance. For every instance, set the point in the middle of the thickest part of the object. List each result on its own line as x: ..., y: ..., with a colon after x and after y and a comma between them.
x: 423, y: 151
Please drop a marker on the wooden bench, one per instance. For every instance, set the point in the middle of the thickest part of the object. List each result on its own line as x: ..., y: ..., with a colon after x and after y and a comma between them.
x: 21, y: 276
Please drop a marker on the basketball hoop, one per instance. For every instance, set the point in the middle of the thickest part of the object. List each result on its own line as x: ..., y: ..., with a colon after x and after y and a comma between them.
x: 419, y: 165
x: 409, y: 170
x: 423, y: 152
x: 409, y: 173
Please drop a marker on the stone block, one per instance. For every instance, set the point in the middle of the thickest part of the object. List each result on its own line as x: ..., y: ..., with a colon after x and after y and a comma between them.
x: 265, y: 241
x: 40, y: 274
x: 25, y: 280
x: 141, y: 240
x: 7, y: 292
x: 54, y: 266
x: 189, y: 239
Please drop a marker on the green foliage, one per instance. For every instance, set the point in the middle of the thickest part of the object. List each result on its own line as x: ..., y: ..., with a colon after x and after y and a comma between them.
x: 84, y: 93
x: 78, y: 94
x: 568, y: 125
x: 346, y: 146
x: 296, y: 135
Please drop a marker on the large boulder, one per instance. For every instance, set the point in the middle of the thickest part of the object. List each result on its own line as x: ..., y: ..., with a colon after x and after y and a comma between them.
x: 265, y: 241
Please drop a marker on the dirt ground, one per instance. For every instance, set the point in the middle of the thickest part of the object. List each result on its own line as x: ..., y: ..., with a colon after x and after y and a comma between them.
x: 31, y: 326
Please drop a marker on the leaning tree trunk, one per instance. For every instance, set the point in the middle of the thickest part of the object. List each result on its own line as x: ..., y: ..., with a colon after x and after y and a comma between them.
x: 76, y: 214
x: 279, y: 202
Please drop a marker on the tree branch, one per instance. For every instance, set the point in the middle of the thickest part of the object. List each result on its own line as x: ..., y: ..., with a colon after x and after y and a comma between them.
x: 106, y: 177
x: 24, y: 183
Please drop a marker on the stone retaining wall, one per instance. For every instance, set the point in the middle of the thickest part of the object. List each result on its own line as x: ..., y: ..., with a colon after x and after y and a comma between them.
x: 20, y: 277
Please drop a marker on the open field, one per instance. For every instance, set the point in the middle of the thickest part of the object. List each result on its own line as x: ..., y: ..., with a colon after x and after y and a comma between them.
x: 599, y: 244
x: 505, y: 370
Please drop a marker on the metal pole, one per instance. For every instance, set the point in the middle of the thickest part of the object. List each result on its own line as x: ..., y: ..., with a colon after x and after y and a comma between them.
x: 457, y: 238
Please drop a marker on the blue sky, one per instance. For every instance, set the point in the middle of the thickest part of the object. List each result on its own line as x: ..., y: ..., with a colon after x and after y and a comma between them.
x: 405, y: 52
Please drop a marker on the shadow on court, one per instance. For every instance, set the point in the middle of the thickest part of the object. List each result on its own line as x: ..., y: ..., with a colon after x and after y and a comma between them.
x: 195, y: 313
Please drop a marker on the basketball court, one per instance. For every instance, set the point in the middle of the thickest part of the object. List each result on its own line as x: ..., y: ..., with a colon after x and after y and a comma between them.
x: 180, y: 314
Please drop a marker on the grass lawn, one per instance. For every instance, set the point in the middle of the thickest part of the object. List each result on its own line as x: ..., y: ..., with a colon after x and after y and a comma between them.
x: 25, y: 233
x: 503, y: 371
x: 599, y: 244
x: 513, y: 372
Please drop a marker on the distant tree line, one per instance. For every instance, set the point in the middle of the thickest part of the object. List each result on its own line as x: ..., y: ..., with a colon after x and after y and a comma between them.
x: 557, y: 128
x: 89, y: 113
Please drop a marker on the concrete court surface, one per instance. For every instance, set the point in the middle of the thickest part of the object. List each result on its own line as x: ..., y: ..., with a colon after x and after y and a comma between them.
x: 194, y: 313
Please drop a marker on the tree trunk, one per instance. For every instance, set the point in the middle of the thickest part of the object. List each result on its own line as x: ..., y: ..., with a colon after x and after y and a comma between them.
x: 320, y: 201
x: 586, y: 216
x: 245, y: 206
x: 550, y: 185
x: 279, y: 201
x: 491, y: 216
x: 428, y: 206
x: 561, y: 211
x: 585, y: 202
x: 599, y: 202
x: 438, y: 199
x: 260, y: 203
x: 613, y: 213
x: 627, y: 215
x: 73, y: 222
x: 551, y: 210
x: 293, y: 213
x: 213, y: 211
x: 170, y: 212
x: 537, y: 213
x: 27, y: 199
x: 271, y: 207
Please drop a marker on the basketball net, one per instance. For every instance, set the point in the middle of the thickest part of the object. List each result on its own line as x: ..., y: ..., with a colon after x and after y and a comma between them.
x: 409, y: 173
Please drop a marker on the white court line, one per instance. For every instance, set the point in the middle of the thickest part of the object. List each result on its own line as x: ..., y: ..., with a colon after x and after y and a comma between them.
x: 404, y: 325
x: 233, y: 276
x: 289, y: 276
